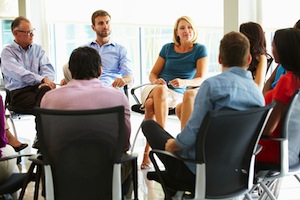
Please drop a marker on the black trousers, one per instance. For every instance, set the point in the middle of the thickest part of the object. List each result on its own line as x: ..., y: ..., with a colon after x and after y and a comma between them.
x: 157, y: 138
x: 28, y: 97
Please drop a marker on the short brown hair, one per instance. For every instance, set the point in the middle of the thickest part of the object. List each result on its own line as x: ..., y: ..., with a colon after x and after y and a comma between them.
x: 234, y: 49
x: 98, y: 13
x: 16, y: 23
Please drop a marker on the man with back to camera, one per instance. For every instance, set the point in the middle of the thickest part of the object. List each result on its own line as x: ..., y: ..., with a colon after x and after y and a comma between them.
x: 116, y: 65
x: 233, y: 89
x: 86, y: 91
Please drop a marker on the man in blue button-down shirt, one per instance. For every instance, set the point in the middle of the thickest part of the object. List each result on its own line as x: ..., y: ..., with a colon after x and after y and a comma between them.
x: 116, y: 65
x: 234, y: 89
x: 27, y: 72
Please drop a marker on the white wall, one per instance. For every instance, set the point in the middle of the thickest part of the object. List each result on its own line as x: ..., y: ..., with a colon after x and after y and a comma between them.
x: 280, y: 13
x: 154, y: 12
x: 8, y: 8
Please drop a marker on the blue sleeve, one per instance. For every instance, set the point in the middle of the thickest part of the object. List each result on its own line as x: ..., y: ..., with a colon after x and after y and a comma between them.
x: 164, y: 50
x: 202, y: 104
x: 201, y: 51
x: 14, y: 65
x: 125, y: 63
x: 280, y: 71
x: 46, y: 68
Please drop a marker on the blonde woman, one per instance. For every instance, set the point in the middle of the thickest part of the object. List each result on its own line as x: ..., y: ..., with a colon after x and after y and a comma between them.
x: 180, y: 64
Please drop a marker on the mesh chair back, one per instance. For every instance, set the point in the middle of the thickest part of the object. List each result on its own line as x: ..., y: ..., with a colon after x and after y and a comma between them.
x: 226, y: 143
x: 291, y: 129
x: 81, y: 148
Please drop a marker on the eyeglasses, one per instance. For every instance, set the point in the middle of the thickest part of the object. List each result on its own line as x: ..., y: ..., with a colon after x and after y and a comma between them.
x: 27, y: 32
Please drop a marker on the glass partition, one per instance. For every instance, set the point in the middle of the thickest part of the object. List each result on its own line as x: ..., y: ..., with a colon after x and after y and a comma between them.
x: 6, y: 36
x: 143, y: 44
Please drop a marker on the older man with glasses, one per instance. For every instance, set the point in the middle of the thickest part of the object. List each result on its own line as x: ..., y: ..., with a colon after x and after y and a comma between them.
x: 26, y: 69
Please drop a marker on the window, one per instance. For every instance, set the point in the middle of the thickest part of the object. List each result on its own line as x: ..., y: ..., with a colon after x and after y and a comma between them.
x: 143, y: 44
x: 6, y: 36
x: 65, y: 38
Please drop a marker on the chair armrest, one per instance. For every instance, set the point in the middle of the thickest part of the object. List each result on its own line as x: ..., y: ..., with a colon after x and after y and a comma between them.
x: 173, y: 155
x: 132, y: 91
x: 126, y: 90
x: 129, y: 157
x: 167, y: 153
x: 37, y: 159
x: 273, y: 139
x: 14, y: 156
x: 258, y: 149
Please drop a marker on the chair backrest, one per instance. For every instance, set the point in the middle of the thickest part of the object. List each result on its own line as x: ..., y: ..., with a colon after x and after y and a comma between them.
x: 291, y: 130
x: 81, y: 147
x: 226, y: 144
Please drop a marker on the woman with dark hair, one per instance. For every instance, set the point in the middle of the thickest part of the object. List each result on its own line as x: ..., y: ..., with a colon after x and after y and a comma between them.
x: 273, y: 79
x: 286, y: 50
x: 258, y: 50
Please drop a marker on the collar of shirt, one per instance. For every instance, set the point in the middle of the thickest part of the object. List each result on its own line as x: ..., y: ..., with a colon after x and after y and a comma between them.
x: 110, y: 42
x: 17, y: 46
x: 240, y: 71
x: 85, y: 82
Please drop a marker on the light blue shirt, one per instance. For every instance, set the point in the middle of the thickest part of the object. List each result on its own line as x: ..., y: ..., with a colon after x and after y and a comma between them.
x: 232, y: 89
x: 22, y: 68
x: 115, y: 61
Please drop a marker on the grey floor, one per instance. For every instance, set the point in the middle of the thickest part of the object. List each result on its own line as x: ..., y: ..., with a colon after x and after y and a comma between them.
x: 290, y: 188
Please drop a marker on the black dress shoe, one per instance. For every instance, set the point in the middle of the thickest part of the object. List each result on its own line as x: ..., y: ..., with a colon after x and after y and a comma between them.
x: 21, y: 147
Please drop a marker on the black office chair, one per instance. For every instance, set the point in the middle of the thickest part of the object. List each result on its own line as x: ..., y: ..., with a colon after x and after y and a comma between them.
x: 17, y: 181
x: 82, y: 153
x: 225, y: 153
x: 289, y: 148
x: 13, y: 111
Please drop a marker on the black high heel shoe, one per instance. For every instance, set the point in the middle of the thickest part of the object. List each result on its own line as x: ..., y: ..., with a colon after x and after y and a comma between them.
x: 21, y: 147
